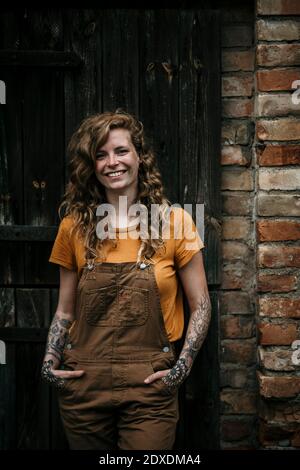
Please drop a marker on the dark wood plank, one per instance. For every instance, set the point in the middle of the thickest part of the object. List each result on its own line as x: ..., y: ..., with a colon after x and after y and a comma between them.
x: 11, y: 170
x: 32, y: 404
x: 159, y: 90
x: 32, y: 306
x: 33, y: 419
x: 41, y: 29
x: 54, y: 59
x: 8, y: 429
x: 81, y: 27
x: 27, y: 233
x: 200, y: 123
x: 11, y: 186
x: 7, y: 311
x: 37, y: 268
x: 43, y: 146
x: 26, y: 335
x: 120, y: 60
x: 12, y: 263
x: 203, y: 390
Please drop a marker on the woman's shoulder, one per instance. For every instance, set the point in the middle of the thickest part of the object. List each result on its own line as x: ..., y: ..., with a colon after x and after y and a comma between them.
x: 67, y: 225
x: 67, y: 221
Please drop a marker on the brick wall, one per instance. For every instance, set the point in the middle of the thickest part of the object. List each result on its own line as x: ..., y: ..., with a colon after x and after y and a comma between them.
x: 260, y: 303
x: 238, y: 332
x: 277, y: 155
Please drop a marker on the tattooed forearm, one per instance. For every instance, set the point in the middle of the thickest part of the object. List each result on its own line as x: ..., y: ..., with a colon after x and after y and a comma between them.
x: 196, y: 333
x: 57, y: 336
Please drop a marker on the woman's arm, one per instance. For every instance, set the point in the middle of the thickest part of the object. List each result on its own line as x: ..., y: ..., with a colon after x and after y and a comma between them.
x: 58, y: 332
x: 194, y: 283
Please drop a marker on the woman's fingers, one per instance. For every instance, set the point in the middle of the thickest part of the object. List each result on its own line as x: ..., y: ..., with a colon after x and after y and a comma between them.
x: 157, y: 375
x: 67, y: 374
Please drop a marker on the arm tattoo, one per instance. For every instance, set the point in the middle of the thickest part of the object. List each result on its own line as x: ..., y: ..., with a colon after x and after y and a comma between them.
x: 195, y: 335
x: 58, y: 334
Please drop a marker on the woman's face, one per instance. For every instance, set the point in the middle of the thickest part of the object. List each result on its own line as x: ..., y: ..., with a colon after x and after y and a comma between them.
x: 117, y: 161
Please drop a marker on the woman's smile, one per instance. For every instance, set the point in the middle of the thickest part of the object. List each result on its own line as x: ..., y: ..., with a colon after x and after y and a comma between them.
x: 115, y: 174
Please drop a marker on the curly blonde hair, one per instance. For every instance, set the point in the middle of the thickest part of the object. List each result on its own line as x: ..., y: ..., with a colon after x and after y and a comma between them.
x: 84, y: 193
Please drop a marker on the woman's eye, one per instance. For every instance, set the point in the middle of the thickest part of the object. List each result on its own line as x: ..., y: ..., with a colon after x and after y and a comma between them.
x: 98, y: 156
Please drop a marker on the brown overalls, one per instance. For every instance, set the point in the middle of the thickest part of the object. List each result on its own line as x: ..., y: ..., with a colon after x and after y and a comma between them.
x: 119, y: 338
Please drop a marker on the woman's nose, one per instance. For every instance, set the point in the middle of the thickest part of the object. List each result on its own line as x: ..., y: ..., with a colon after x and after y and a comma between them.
x: 112, y: 159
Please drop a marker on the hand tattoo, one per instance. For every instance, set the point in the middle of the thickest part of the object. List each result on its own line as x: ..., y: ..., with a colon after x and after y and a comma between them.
x: 49, y: 377
x: 196, y: 333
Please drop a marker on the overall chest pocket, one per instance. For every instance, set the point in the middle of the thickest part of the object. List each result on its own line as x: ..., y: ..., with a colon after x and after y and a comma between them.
x: 117, y: 306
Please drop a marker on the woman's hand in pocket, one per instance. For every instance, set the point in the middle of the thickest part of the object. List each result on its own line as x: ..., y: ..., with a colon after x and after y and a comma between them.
x: 58, y: 377
x: 156, y: 375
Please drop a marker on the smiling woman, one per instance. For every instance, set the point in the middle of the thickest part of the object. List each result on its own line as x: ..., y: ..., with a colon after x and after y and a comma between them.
x: 117, y: 165
x: 110, y: 349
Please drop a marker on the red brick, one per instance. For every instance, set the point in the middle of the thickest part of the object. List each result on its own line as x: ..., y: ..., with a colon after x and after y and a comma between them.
x: 237, y: 35
x: 278, y: 359
x: 237, y: 179
x: 279, y: 307
x: 275, y: 105
x: 235, y: 250
x: 238, y: 85
x: 235, y: 131
x: 295, y: 440
x: 277, y: 79
x: 276, y: 283
x: 236, y: 228
x: 269, y: 432
x: 239, y: 352
x: 268, y: 55
x: 237, y: 276
x: 278, y: 155
x: 238, y: 377
x: 278, y: 129
x: 278, y: 387
x: 238, y: 402
x: 278, y: 7
x: 237, y: 204
x: 277, y: 230
x: 237, y: 107
x: 278, y: 256
x: 235, y: 303
x: 279, y: 412
x: 237, y: 327
x: 273, y: 30
x: 274, y: 334
x: 234, y: 155
x: 234, y: 61
x: 285, y: 179
x: 278, y: 204
x: 234, y: 429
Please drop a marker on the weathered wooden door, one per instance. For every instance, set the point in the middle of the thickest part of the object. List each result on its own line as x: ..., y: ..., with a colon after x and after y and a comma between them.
x: 58, y: 66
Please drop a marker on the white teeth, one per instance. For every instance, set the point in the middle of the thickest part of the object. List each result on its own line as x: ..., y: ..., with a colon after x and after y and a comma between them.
x: 116, y: 173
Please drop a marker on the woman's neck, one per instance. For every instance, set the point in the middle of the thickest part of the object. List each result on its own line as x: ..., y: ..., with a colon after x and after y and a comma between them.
x: 121, y: 201
x: 121, y: 206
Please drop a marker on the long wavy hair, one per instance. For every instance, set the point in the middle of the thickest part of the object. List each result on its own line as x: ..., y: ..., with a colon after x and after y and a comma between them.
x: 84, y: 193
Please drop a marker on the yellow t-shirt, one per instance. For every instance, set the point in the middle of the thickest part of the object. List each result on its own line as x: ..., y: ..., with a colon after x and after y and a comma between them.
x: 68, y: 251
